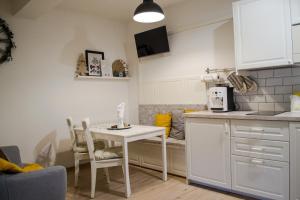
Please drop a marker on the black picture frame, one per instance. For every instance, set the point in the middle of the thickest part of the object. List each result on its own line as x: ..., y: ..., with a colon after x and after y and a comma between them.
x: 98, y: 70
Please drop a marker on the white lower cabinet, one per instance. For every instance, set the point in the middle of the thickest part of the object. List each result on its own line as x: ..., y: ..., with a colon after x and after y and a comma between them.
x: 177, y: 161
x: 134, y: 150
x: 208, y: 151
x: 259, y: 162
x: 262, y: 178
x: 150, y: 161
x: 295, y: 161
x: 148, y: 155
x: 262, y: 149
x: 263, y: 130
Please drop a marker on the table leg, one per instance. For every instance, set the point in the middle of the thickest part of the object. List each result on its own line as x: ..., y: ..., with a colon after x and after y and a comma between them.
x: 126, y: 169
x: 164, y: 156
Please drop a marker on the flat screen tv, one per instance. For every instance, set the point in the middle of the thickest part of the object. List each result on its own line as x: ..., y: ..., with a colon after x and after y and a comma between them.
x: 152, y: 42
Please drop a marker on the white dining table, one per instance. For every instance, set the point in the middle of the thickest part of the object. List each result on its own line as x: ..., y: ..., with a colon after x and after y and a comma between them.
x: 135, y: 133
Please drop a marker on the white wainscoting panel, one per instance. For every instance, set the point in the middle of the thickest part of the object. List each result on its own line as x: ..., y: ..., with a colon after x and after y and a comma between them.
x: 187, y: 90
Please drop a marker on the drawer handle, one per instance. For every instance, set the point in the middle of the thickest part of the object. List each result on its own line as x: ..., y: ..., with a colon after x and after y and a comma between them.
x: 257, y: 148
x: 255, y: 161
x: 257, y: 129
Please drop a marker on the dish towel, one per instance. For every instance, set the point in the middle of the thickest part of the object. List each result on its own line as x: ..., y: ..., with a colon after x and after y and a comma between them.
x: 242, y: 84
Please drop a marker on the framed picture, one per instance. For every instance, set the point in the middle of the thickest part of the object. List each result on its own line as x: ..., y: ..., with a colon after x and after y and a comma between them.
x: 93, y: 62
x: 106, y: 69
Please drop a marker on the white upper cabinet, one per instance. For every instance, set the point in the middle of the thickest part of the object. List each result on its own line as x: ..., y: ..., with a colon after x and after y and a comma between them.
x: 296, y: 43
x: 262, y: 32
x: 295, y: 8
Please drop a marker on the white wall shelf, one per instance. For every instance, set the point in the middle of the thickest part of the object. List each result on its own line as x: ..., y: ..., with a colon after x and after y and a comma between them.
x: 101, y: 78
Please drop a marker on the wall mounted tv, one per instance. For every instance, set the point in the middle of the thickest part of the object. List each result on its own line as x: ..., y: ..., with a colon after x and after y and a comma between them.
x: 152, y: 42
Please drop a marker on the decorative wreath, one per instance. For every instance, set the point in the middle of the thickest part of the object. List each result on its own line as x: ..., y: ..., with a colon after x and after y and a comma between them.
x: 6, y: 42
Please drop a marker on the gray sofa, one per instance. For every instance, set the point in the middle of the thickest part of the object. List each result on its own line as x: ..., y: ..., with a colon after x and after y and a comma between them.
x: 46, y: 184
x: 147, y: 116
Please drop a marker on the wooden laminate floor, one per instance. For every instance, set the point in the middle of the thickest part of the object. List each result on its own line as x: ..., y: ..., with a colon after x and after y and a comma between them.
x: 145, y: 185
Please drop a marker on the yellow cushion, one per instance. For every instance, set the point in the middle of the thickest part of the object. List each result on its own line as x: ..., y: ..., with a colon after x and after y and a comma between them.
x: 32, y: 167
x: 6, y: 166
x: 190, y: 110
x: 164, y: 120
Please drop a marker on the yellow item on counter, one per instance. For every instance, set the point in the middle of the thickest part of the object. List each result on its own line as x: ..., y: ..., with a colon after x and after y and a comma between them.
x: 6, y: 166
x: 297, y: 93
x: 164, y: 120
x: 190, y: 110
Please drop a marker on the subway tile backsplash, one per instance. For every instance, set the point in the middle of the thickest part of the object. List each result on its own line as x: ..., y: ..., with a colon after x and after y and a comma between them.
x: 274, y: 89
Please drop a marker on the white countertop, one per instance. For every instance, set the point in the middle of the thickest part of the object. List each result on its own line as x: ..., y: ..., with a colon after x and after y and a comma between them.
x: 286, y: 116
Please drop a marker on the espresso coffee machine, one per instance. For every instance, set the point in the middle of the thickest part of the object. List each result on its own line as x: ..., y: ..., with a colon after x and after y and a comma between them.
x: 220, y: 99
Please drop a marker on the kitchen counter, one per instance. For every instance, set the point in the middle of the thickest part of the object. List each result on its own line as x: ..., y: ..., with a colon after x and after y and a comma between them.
x: 286, y: 116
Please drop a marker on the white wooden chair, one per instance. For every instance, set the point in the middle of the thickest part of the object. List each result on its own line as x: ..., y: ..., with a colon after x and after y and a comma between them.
x: 80, y: 149
x: 105, y: 158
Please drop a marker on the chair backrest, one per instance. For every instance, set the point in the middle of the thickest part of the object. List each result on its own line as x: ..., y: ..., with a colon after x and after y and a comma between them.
x: 88, y: 138
x: 72, y: 132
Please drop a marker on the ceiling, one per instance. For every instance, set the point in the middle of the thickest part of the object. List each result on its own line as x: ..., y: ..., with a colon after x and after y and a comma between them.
x: 121, y: 10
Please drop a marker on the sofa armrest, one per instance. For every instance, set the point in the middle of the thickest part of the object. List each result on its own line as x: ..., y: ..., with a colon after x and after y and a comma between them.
x: 47, y: 184
x: 3, y: 188
x: 12, y: 154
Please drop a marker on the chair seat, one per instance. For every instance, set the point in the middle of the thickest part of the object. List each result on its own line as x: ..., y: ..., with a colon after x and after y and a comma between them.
x: 82, y: 147
x: 109, y: 153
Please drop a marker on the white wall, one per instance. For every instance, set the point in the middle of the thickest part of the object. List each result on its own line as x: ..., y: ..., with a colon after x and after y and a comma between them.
x: 174, y: 78
x: 16, y: 5
x: 200, y: 36
x: 38, y: 90
x: 192, y: 13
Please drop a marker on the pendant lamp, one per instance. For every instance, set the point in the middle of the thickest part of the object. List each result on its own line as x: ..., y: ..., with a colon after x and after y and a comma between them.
x: 148, y: 12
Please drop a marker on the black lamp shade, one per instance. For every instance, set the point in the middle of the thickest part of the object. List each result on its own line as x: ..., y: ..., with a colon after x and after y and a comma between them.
x: 148, y: 12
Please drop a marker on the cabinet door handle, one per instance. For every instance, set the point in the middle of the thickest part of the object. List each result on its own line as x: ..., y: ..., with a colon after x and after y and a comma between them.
x: 257, y: 129
x: 227, y: 128
x: 255, y: 161
x: 257, y: 148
